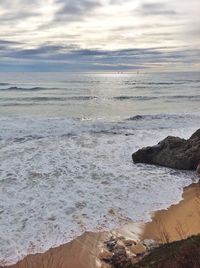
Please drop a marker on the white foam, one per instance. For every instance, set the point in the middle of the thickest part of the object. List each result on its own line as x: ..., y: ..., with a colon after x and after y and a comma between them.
x: 54, y: 186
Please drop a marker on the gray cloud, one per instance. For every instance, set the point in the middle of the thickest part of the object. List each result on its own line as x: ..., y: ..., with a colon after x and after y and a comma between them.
x: 77, y: 7
x: 73, y: 10
x: 71, y: 57
x: 18, y: 4
x: 152, y: 9
x: 16, y: 11
x: 11, y: 17
x: 48, y: 39
x: 7, y: 43
x: 65, y: 10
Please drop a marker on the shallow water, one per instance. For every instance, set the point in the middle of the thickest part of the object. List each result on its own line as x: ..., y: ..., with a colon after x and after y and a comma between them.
x: 65, y: 152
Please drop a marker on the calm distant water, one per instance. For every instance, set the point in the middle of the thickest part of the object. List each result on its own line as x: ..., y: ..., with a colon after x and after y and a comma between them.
x: 65, y: 152
x: 100, y: 96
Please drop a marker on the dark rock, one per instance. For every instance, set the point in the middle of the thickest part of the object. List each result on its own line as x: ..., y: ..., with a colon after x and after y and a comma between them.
x: 120, y: 258
x: 136, y: 117
x: 111, y: 244
x: 196, y: 135
x: 172, y: 152
x: 198, y: 170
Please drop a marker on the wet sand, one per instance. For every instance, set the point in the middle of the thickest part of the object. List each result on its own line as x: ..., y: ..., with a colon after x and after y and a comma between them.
x: 177, y: 222
x: 80, y: 253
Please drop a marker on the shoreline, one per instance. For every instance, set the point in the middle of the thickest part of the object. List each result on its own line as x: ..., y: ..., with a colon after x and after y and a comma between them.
x: 174, y: 223
x: 177, y: 222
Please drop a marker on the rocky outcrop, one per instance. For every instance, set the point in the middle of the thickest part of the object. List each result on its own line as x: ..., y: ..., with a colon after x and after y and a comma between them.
x: 198, y: 169
x: 172, y: 152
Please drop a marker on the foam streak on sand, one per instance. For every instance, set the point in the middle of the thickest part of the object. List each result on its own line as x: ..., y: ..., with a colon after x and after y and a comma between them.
x: 178, y: 222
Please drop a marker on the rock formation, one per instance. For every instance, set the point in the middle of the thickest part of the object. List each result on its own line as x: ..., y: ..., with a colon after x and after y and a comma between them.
x: 198, y: 169
x: 172, y: 152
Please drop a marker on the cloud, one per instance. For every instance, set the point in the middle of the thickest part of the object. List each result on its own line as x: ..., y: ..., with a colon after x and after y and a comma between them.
x: 7, y: 43
x: 11, y: 17
x: 97, y: 34
x: 71, y: 57
x: 158, y: 9
x: 73, y: 10
x: 77, y: 7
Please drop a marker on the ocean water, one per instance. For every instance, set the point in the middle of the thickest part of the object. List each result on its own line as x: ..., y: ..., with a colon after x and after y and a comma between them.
x: 66, y: 142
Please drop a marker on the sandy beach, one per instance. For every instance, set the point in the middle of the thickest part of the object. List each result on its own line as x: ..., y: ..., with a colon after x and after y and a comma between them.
x: 175, y: 223
x: 179, y: 221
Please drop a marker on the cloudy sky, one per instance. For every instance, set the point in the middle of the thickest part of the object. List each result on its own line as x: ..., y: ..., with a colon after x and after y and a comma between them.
x: 99, y: 35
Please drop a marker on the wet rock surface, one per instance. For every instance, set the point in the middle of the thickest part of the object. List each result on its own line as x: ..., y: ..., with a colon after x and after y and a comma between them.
x: 122, y: 253
x: 172, y: 152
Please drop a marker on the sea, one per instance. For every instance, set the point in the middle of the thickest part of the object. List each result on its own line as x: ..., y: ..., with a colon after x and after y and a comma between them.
x: 66, y: 144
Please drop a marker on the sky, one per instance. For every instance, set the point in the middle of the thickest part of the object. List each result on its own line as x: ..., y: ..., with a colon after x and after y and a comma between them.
x: 99, y: 35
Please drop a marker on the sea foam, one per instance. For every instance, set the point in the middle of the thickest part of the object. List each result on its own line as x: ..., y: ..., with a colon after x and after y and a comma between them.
x: 61, y: 177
